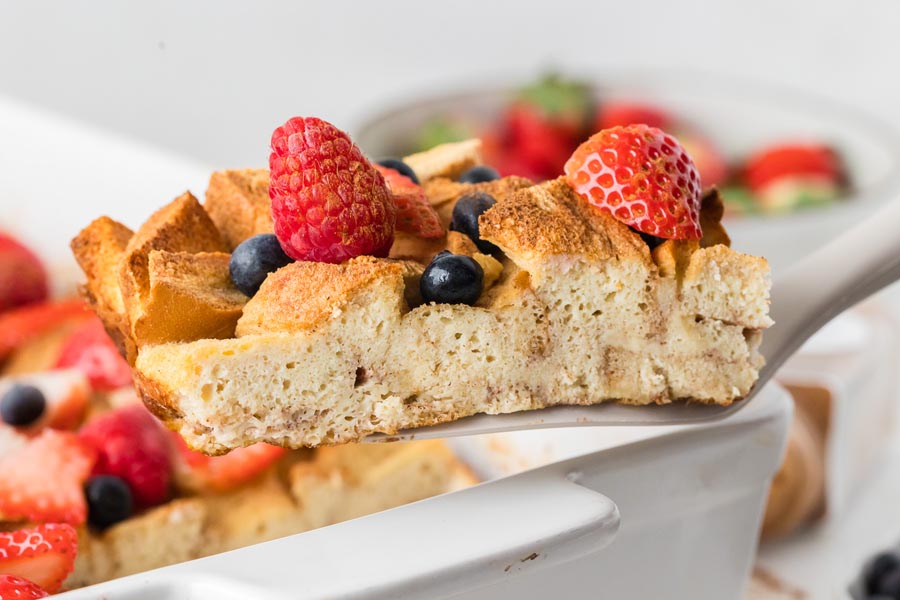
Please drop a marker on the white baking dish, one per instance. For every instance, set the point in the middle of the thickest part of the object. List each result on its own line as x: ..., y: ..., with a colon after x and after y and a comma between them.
x: 672, y: 516
x: 663, y: 512
x: 738, y: 115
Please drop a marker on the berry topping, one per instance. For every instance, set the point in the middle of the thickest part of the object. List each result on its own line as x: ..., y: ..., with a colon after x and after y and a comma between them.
x: 465, y: 218
x: 415, y: 215
x: 452, y: 279
x: 198, y: 471
x: 17, y: 588
x: 641, y: 176
x: 23, y: 279
x: 42, y: 480
x: 253, y: 260
x: 65, y: 394
x: 888, y: 585
x: 808, y: 161
x: 329, y: 204
x: 131, y: 444
x: 109, y: 500
x: 22, y: 405
x: 883, y: 564
x: 90, y: 350
x: 44, y: 555
x: 479, y: 174
x: 401, y: 167
x: 26, y: 323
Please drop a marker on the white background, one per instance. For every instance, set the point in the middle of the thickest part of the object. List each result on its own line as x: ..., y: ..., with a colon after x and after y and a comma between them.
x: 212, y: 79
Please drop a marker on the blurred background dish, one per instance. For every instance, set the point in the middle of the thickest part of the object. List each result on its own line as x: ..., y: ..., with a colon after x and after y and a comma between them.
x: 794, y: 168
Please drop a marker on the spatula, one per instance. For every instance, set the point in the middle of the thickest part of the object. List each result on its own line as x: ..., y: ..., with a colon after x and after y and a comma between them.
x: 805, y: 297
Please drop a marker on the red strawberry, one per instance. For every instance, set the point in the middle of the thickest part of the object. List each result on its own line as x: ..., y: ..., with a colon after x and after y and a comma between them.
x: 641, y: 176
x: 814, y: 161
x: 90, y: 349
x: 16, y: 588
x: 415, y: 215
x: 622, y: 113
x: 131, y: 444
x: 25, y: 323
x: 44, y: 555
x: 23, y: 279
x: 221, y: 473
x: 536, y: 141
x: 42, y: 480
x: 328, y: 203
x: 563, y: 104
x: 66, y: 393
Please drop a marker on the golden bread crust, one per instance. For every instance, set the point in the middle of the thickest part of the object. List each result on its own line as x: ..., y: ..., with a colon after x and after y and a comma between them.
x: 180, y: 226
x: 550, y: 219
x: 191, y: 297
x: 238, y: 203
x: 302, y: 295
x: 98, y: 249
x: 446, y: 160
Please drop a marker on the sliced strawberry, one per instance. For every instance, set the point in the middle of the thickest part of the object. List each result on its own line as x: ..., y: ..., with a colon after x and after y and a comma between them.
x: 23, y: 279
x: 133, y: 445
x: 19, y: 325
x: 415, y: 215
x: 197, y: 471
x: 623, y: 113
x: 66, y: 393
x: 90, y: 349
x: 44, y: 555
x: 641, y: 176
x: 17, y: 588
x: 42, y: 480
x: 791, y: 160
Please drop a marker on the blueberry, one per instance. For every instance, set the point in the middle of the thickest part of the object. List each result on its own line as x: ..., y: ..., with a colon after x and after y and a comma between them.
x: 651, y: 240
x: 465, y: 218
x: 109, y: 500
x: 887, y: 584
x: 881, y: 565
x: 401, y: 167
x: 479, y: 174
x: 452, y: 279
x: 22, y: 405
x: 254, y: 259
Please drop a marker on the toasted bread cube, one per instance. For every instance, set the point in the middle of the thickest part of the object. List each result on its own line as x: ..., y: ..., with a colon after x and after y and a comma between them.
x: 191, y: 297
x: 447, y: 160
x: 180, y: 226
x: 99, y: 249
x: 238, y: 203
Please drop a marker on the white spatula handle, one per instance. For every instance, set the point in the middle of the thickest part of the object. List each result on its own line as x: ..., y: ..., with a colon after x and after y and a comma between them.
x: 845, y: 271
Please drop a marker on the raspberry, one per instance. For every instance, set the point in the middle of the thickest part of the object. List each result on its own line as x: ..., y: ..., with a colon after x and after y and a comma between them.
x: 641, y: 176
x: 329, y: 204
x: 415, y: 215
x: 132, y: 445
